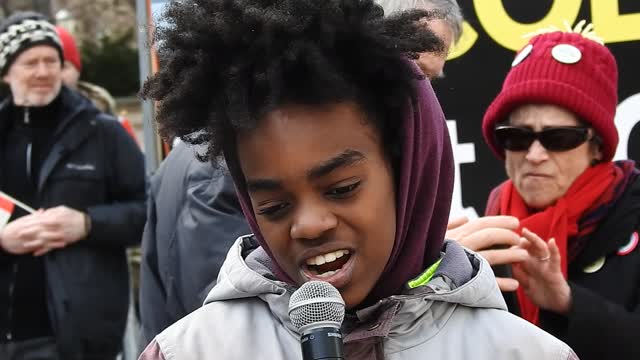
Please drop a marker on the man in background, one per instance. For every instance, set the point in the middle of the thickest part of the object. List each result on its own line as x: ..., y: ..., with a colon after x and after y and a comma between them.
x: 448, y: 28
x: 63, y: 267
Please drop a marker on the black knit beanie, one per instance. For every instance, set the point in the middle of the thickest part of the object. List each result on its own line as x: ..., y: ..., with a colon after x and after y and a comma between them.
x: 24, y: 30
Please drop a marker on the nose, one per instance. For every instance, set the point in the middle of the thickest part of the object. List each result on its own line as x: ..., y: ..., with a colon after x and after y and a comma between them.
x: 312, y: 220
x: 537, y: 153
x: 42, y: 69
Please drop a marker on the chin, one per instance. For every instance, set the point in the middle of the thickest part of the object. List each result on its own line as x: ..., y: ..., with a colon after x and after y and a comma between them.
x: 536, y: 196
x: 423, y: 67
x: 539, y: 202
x: 351, y: 300
x: 41, y: 100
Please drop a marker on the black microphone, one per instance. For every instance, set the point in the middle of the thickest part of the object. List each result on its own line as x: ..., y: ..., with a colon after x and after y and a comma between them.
x: 316, y: 309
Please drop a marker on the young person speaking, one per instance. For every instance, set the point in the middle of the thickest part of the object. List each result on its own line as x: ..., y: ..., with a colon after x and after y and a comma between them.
x: 343, y: 166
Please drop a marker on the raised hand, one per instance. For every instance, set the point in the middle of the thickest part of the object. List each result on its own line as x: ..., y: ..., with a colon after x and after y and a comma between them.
x: 541, y: 276
x: 492, y: 237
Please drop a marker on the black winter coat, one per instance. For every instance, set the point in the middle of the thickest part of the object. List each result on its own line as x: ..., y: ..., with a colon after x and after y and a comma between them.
x: 95, y: 167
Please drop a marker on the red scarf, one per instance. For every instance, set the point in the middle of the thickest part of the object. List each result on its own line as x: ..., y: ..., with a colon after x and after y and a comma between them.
x: 595, y: 186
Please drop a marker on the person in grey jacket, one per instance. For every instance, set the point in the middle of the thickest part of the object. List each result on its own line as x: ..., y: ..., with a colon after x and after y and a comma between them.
x: 343, y: 165
x: 193, y: 218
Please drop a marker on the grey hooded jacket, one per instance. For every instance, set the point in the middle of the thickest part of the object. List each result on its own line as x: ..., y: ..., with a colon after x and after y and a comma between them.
x: 193, y: 217
x: 458, y: 314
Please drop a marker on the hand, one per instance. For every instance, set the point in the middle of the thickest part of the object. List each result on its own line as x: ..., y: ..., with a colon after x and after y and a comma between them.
x: 482, y: 235
x: 58, y: 227
x: 541, y: 274
x: 15, y: 237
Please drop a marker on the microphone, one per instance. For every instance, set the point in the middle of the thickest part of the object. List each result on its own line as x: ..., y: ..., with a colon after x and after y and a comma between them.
x: 316, y: 309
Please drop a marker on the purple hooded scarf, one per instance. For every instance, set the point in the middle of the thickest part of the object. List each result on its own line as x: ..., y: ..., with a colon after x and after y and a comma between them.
x: 423, y: 195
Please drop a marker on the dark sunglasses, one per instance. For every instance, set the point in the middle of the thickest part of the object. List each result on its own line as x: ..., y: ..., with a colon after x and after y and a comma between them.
x: 561, y: 138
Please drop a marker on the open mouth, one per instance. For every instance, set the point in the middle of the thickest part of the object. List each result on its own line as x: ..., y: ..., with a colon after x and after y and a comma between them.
x: 326, y: 265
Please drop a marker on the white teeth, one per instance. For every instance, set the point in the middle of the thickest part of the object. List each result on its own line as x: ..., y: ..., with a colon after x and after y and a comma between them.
x: 326, y: 274
x: 326, y: 258
x: 330, y: 257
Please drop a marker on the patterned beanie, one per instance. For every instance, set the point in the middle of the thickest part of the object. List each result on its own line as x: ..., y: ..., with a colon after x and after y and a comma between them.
x: 571, y: 69
x: 22, y: 31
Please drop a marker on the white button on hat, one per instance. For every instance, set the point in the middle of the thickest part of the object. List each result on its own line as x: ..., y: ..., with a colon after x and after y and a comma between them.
x: 522, y: 55
x: 566, y: 54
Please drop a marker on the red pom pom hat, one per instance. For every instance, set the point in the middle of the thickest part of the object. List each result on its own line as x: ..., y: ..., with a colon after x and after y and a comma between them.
x: 570, y: 69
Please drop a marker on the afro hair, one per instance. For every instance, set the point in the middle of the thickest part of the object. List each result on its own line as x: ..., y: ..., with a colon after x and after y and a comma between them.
x: 226, y: 63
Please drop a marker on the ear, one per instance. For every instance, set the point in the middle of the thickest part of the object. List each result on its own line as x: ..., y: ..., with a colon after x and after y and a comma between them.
x: 596, y: 152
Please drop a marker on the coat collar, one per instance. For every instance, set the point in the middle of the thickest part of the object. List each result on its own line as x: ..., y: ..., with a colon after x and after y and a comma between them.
x: 246, y: 273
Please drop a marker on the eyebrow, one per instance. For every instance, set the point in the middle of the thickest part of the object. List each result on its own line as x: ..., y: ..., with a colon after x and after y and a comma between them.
x: 348, y: 157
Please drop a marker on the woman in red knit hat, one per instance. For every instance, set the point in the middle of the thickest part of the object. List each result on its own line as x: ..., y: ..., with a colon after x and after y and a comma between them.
x: 553, y: 125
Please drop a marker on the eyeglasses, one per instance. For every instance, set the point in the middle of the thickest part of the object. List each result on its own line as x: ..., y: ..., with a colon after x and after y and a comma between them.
x: 561, y: 138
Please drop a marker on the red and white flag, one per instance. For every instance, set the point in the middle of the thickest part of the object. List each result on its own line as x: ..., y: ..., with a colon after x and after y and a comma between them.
x: 6, y: 209
x: 7, y: 205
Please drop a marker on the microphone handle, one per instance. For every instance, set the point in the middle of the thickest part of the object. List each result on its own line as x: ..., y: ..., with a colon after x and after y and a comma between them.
x: 324, y: 343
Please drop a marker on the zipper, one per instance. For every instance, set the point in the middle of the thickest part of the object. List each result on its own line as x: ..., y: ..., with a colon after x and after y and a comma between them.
x: 12, y: 286
x: 27, y: 118
x: 27, y: 121
x: 29, y: 148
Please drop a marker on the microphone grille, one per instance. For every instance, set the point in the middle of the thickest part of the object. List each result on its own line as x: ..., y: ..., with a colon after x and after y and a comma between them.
x: 316, y: 302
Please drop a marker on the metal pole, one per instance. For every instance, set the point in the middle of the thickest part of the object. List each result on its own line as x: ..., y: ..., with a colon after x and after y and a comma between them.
x: 152, y: 146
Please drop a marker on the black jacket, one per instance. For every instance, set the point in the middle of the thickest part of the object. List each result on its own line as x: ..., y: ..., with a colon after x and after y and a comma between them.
x: 193, y: 219
x: 94, y: 166
x: 604, y: 321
